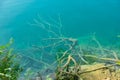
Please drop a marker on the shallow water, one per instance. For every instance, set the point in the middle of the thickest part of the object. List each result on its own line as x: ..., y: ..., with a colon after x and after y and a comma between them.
x: 79, y: 18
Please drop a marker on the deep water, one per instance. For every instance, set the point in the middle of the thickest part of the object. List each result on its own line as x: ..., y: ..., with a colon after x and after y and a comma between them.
x: 80, y: 18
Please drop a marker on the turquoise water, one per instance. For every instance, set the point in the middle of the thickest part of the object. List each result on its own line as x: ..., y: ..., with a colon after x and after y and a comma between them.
x: 80, y: 18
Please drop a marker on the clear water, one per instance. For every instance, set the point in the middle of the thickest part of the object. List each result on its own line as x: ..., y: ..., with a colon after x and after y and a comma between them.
x: 80, y: 18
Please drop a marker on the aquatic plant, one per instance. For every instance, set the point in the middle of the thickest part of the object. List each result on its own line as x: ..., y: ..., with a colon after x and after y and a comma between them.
x: 9, y: 68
